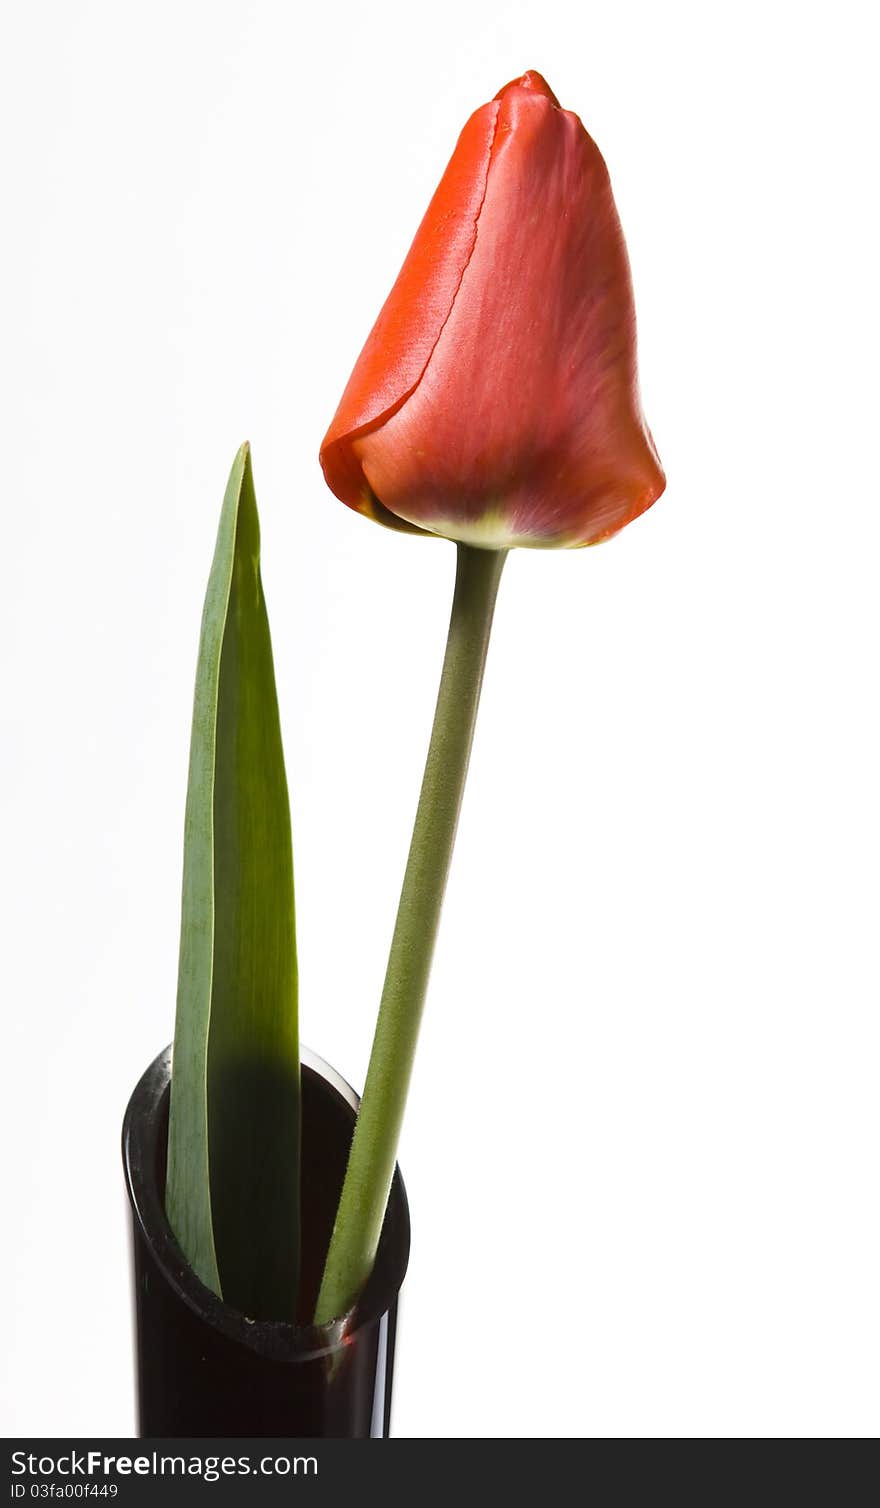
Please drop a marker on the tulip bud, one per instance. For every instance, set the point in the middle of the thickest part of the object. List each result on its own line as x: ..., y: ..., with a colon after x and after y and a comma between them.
x: 496, y: 400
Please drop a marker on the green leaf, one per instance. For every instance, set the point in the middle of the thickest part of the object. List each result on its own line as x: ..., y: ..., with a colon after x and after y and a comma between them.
x: 232, y: 1192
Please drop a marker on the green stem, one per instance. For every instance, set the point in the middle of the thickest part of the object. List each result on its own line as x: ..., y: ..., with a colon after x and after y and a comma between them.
x: 374, y: 1148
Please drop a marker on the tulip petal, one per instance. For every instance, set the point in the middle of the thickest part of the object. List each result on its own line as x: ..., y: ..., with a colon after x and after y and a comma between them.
x: 531, y: 82
x: 400, y: 344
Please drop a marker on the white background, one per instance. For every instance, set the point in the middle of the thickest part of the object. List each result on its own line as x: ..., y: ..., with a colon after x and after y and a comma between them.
x: 642, y: 1144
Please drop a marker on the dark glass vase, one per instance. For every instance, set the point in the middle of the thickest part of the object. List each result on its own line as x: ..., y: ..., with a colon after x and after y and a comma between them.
x: 203, y: 1369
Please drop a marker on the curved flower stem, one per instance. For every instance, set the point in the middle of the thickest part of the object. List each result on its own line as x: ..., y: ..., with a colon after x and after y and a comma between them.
x: 374, y: 1148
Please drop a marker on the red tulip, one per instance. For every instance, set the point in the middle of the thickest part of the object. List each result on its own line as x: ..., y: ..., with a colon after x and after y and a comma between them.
x: 496, y: 400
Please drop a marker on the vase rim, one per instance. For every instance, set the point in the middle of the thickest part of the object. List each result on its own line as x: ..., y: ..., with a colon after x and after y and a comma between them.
x: 280, y: 1340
